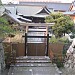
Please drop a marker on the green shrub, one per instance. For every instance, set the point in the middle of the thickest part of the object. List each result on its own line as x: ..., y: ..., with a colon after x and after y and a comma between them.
x: 53, y: 40
x: 64, y: 40
x: 58, y: 62
x: 59, y: 40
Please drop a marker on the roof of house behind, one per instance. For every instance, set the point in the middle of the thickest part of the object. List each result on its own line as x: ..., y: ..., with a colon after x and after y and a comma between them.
x: 17, y: 18
x: 28, y: 10
x: 69, y: 13
x: 38, y: 1
x: 53, y: 5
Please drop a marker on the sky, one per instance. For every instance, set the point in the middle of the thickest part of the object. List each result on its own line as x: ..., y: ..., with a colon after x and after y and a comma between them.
x: 7, y: 1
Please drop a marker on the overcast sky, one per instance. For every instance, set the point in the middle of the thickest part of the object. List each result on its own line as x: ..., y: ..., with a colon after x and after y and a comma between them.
x: 6, y: 1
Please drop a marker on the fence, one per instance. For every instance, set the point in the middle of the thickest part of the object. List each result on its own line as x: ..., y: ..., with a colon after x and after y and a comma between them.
x: 56, y: 48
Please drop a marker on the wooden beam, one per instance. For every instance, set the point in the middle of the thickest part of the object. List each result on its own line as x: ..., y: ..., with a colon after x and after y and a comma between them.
x: 37, y: 24
x: 37, y: 36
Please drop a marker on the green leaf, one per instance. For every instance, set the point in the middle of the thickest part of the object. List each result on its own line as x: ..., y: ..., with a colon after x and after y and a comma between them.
x: 63, y: 23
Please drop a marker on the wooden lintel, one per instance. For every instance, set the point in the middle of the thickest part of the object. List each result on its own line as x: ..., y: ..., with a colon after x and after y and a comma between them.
x: 37, y: 24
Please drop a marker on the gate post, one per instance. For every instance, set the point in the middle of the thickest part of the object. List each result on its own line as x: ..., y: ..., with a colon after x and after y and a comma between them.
x: 26, y: 44
x: 47, y: 44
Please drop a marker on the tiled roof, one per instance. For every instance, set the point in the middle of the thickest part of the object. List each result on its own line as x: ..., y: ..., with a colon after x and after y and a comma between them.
x: 55, y: 6
x: 17, y: 18
x: 69, y: 13
x: 38, y: 1
x: 28, y: 10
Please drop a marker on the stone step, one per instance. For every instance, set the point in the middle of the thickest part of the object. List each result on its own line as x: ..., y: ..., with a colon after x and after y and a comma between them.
x: 33, y: 64
x: 33, y: 61
x: 32, y: 57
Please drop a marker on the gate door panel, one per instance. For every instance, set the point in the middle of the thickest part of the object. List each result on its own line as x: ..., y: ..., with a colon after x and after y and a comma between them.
x: 41, y: 47
x: 36, y: 49
x: 31, y: 49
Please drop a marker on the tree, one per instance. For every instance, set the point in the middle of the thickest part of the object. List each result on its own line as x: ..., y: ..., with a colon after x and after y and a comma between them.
x: 5, y: 28
x: 0, y: 2
x: 63, y: 23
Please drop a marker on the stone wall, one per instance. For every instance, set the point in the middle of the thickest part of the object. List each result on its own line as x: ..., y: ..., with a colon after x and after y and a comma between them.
x: 2, y: 63
x: 70, y: 59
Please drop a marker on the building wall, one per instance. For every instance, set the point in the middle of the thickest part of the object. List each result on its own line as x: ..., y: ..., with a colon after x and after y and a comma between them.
x: 73, y: 17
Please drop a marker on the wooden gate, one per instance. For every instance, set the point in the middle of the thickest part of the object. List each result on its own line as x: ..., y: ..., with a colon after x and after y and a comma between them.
x: 32, y: 49
x: 36, y: 49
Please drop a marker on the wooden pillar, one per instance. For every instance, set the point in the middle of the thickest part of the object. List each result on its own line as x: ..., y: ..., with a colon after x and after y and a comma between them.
x: 26, y: 40
x: 47, y: 44
x: 26, y: 44
x: 26, y: 29
x: 46, y: 30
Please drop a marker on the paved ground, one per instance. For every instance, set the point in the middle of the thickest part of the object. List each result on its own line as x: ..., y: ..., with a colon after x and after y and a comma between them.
x: 67, y: 71
x: 33, y: 66
x: 5, y: 72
